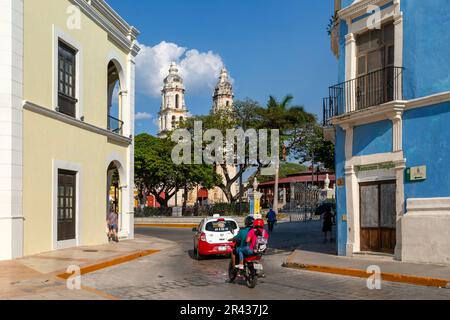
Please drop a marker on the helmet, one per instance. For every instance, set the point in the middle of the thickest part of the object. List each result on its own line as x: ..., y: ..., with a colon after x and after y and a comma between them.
x: 249, y: 221
x: 258, y: 223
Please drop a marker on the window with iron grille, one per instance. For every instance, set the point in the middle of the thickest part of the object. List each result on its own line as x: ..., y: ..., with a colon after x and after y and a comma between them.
x: 66, y: 79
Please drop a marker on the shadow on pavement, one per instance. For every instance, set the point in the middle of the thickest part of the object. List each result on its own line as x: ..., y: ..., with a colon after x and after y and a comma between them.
x: 306, y: 236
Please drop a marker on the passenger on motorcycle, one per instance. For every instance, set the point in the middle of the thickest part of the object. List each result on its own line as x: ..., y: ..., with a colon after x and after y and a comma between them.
x: 251, y: 242
x: 241, y: 237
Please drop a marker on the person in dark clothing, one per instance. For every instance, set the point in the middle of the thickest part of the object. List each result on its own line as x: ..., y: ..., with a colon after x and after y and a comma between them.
x: 271, y: 219
x: 327, y: 225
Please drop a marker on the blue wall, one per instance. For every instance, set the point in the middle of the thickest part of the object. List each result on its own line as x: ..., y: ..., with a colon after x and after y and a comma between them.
x: 426, y: 141
x: 341, y: 198
x: 372, y: 138
x: 426, y: 54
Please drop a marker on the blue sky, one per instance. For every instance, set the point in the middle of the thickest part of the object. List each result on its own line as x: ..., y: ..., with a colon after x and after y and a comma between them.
x: 270, y: 47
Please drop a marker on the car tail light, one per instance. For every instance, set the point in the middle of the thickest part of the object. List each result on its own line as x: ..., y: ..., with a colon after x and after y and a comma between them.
x: 203, y: 237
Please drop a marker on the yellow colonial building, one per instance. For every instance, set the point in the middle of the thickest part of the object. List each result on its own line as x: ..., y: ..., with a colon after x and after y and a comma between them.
x: 67, y: 71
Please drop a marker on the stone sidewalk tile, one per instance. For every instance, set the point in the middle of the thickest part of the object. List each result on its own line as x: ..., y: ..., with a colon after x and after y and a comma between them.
x: 425, y: 274
x: 36, y: 276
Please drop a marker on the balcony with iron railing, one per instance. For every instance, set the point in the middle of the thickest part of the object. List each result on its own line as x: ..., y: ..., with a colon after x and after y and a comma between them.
x: 115, y: 125
x: 373, y: 89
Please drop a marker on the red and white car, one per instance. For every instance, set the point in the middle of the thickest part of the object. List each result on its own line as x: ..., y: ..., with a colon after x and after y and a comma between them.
x: 212, y: 235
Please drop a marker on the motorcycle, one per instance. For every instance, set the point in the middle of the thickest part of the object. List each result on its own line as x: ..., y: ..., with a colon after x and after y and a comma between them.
x: 251, y: 271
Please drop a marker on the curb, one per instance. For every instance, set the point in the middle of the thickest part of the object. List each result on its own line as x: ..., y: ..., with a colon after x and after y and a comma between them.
x: 391, y: 277
x: 167, y: 225
x: 109, y: 263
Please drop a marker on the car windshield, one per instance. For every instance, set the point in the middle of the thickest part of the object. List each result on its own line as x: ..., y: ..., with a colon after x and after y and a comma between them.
x: 221, y: 226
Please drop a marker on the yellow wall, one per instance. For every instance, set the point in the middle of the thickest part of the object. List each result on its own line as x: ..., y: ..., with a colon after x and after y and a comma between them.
x: 46, y: 139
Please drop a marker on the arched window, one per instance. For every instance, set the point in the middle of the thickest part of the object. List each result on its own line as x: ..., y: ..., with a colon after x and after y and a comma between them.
x: 177, y: 101
x: 181, y: 119
x: 228, y: 103
x: 114, y: 99
x: 174, y: 122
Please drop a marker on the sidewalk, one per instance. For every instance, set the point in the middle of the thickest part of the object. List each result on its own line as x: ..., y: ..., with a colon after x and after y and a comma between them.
x: 391, y: 270
x: 43, y: 276
x: 182, y: 222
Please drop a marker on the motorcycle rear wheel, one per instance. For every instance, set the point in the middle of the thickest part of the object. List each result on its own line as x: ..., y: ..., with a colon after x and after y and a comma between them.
x: 252, y: 280
x: 232, y: 272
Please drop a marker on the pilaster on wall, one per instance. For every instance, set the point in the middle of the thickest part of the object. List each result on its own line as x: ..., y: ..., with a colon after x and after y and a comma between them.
x: 128, y: 192
x: 400, y: 167
x: 348, y: 141
x: 11, y: 136
x: 397, y: 132
x: 353, y: 235
x: 350, y: 52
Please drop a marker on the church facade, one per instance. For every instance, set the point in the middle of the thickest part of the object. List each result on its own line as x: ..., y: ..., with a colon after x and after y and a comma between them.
x: 174, y: 110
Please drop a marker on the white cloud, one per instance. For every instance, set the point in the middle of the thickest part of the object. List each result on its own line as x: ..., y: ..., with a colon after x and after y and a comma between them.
x: 142, y: 116
x: 200, y: 70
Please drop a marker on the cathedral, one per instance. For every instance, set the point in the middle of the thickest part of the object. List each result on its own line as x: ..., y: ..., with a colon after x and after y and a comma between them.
x: 174, y: 110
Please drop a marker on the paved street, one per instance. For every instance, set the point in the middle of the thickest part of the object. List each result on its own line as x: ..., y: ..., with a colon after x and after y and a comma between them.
x: 175, y: 274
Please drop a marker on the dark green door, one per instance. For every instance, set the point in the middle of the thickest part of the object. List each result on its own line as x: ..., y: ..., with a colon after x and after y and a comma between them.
x: 66, y: 205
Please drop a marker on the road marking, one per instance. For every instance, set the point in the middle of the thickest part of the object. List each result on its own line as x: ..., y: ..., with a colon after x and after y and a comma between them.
x: 390, y: 277
x: 110, y: 263
x: 99, y: 293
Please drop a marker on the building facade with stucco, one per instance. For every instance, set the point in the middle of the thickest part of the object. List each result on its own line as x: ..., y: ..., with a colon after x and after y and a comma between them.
x: 66, y: 124
x: 388, y: 116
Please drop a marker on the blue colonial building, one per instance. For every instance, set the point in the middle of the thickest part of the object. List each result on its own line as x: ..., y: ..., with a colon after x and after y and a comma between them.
x: 390, y: 119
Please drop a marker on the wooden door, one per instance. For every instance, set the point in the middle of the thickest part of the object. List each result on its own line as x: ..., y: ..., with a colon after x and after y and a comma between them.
x: 378, y: 216
x: 66, y: 205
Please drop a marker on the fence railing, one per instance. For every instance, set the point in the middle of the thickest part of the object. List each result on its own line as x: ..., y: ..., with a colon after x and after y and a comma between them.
x: 223, y: 209
x: 366, y: 91
x: 115, y: 125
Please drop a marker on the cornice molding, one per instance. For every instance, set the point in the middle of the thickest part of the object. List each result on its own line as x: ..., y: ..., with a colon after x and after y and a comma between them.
x: 389, y: 111
x: 117, y: 28
x: 27, y: 105
x: 428, y: 100
x: 359, y: 7
x: 377, y: 113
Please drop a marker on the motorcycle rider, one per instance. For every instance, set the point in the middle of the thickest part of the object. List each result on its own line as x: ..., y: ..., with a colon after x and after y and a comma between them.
x: 241, y: 237
x: 250, y: 242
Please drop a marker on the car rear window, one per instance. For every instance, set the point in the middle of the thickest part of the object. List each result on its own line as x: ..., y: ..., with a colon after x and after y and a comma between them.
x: 221, y: 226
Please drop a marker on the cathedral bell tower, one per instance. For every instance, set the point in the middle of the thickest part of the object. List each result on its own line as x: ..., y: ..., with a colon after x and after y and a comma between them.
x: 173, y: 106
x: 223, y: 93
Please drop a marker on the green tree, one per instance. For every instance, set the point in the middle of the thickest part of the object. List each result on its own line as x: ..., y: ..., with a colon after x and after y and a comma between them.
x: 309, y: 145
x: 286, y: 169
x: 248, y: 114
x: 157, y: 175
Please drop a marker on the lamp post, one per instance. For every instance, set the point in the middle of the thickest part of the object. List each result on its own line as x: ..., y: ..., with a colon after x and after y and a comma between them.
x: 277, y: 178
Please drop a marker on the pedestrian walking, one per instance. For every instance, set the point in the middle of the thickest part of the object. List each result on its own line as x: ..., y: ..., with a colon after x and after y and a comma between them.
x: 112, y: 221
x: 271, y: 219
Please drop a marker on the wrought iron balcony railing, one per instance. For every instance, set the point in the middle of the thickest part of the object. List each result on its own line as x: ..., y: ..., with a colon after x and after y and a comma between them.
x: 366, y: 91
x: 115, y: 125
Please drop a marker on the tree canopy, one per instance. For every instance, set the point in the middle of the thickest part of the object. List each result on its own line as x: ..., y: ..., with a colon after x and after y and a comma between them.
x: 157, y: 175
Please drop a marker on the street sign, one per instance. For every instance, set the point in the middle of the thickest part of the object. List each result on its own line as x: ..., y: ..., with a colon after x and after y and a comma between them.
x: 416, y: 173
